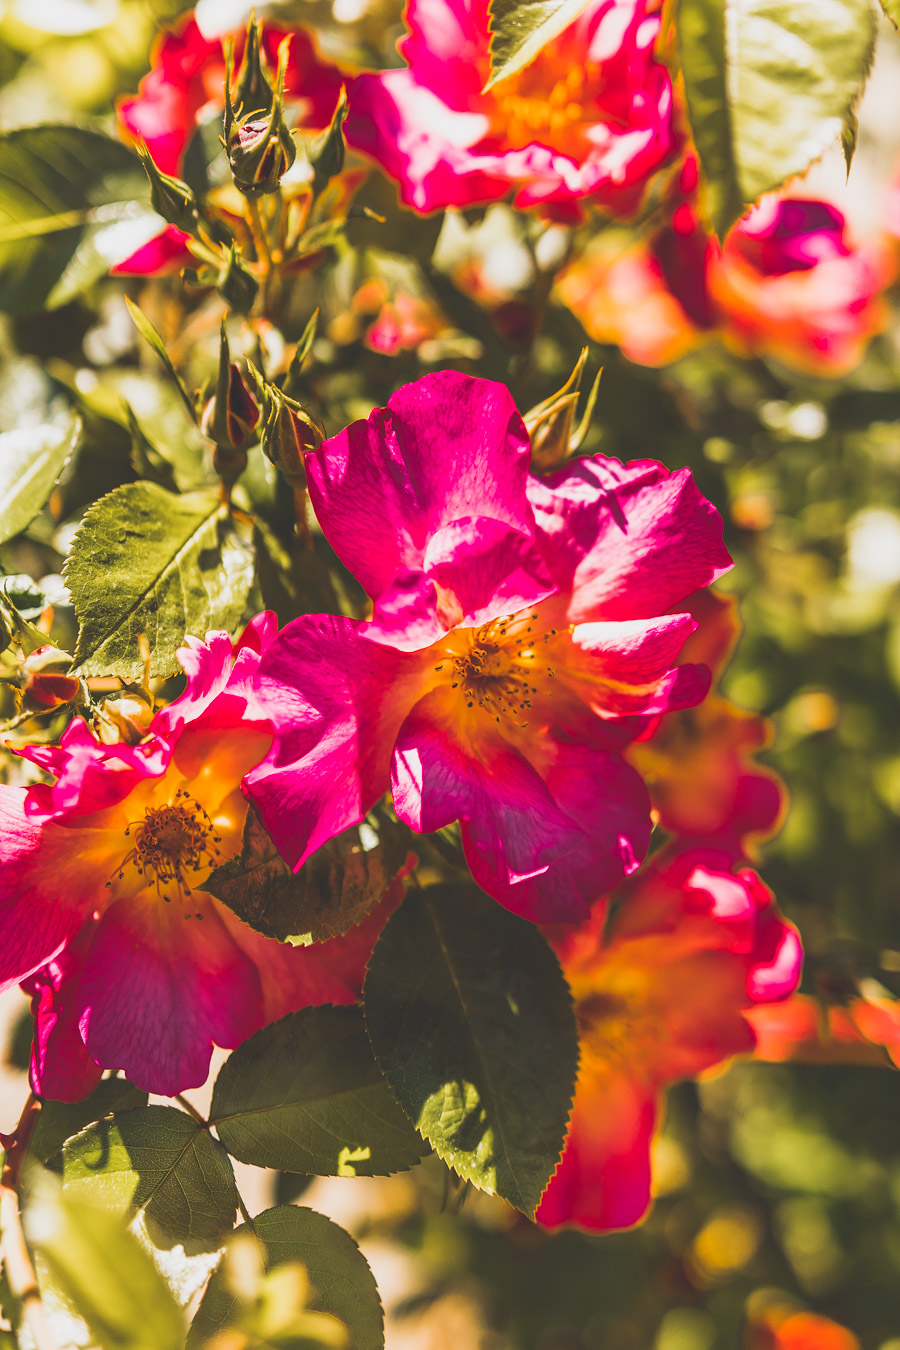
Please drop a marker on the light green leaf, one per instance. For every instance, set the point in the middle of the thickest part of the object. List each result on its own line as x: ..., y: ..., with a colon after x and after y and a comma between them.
x: 59, y: 1121
x: 769, y: 84
x: 334, y: 889
x: 892, y: 10
x: 146, y: 562
x: 161, y: 1161
x: 305, y: 1095
x: 472, y: 1024
x: 59, y: 185
x: 340, y: 1278
x: 150, y: 336
x: 520, y: 28
x: 101, y: 1270
x: 31, y: 460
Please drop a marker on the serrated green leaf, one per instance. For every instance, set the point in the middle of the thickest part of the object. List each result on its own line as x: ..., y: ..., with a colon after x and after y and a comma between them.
x: 31, y: 460
x: 146, y: 562
x: 153, y: 339
x: 305, y: 1095
x: 472, y: 1024
x: 59, y: 186
x: 768, y: 84
x: 102, y: 1271
x: 334, y: 890
x: 520, y: 28
x: 59, y: 1121
x: 340, y: 1278
x: 892, y: 10
x: 161, y: 1161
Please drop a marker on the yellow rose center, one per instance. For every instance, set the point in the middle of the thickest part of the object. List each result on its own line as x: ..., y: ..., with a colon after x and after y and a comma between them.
x: 170, y: 845
x: 528, y: 113
x: 502, y: 665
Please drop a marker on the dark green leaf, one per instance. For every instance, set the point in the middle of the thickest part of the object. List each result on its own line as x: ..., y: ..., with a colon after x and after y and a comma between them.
x: 305, y: 1095
x: 60, y: 188
x: 31, y: 460
x: 158, y: 1160
x: 334, y: 890
x: 102, y: 1271
x: 472, y: 1024
x: 520, y: 28
x: 768, y: 87
x: 59, y: 1121
x: 339, y: 1274
x: 150, y: 336
x: 147, y: 562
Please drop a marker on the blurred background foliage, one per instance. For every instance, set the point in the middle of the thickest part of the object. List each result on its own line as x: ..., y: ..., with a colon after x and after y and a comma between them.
x: 771, y: 1178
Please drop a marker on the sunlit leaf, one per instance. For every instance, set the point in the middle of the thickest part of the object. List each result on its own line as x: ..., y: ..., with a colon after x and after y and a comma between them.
x: 59, y: 1121
x: 340, y: 1279
x: 768, y: 87
x: 59, y: 185
x: 147, y: 562
x: 520, y: 28
x: 892, y: 10
x: 334, y: 890
x: 472, y: 1024
x: 305, y: 1095
x: 161, y: 1161
x: 153, y: 339
x: 31, y: 460
x: 102, y: 1271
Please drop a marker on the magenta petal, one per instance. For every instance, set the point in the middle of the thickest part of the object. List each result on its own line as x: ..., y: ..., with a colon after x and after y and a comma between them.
x: 43, y: 899
x: 607, y: 799
x: 627, y: 667
x: 165, y: 252
x: 337, y: 701
x: 629, y: 541
x: 159, y: 988
x: 474, y: 571
x: 445, y: 449
x: 511, y: 819
x: 61, y: 1067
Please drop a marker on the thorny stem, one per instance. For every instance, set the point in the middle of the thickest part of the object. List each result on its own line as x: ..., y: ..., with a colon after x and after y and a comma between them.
x: 16, y: 1258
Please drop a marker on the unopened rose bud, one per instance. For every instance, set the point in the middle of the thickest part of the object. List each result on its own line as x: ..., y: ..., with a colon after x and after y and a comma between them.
x: 129, y: 716
x: 237, y: 284
x: 43, y: 680
x: 230, y: 417
x: 259, y: 145
x: 170, y: 197
x: 328, y: 151
x: 289, y: 431
x: 254, y: 92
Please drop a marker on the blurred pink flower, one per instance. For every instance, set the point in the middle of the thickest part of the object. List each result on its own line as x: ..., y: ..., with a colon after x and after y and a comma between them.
x: 662, y: 996
x: 130, y: 963
x: 787, y: 284
x: 186, y: 87
x: 521, y: 636
x: 591, y: 116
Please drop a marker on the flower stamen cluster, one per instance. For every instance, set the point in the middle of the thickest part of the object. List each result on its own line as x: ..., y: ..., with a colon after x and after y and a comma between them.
x: 171, y: 843
x: 497, y: 670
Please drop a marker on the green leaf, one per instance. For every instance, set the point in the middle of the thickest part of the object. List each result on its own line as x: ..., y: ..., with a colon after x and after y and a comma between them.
x: 159, y: 1160
x: 769, y: 84
x: 520, y: 28
x: 146, y: 562
x: 892, y: 10
x: 60, y: 187
x: 102, y: 1271
x: 31, y: 460
x: 59, y: 1121
x: 153, y: 339
x: 342, y: 1283
x: 472, y: 1024
x: 305, y: 1095
x: 334, y: 889
x: 849, y: 138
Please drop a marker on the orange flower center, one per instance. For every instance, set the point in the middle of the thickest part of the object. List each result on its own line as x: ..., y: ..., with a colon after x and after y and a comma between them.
x: 502, y: 666
x: 170, y: 844
x: 614, y: 1027
x: 526, y: 112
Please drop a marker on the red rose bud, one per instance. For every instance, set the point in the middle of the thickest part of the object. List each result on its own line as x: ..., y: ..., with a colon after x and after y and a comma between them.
x: 230, y: 417
x: 43, y: 680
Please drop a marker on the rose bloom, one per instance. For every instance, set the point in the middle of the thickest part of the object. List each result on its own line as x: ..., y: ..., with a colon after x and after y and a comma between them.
x: 786, y: 284
x: 589, y: 117
x: 861, y: 1030
x: 521, y: 636
x: 703, y: 781
x: 131, y: 964
x: 186, y: 88
x: 663, y: 995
